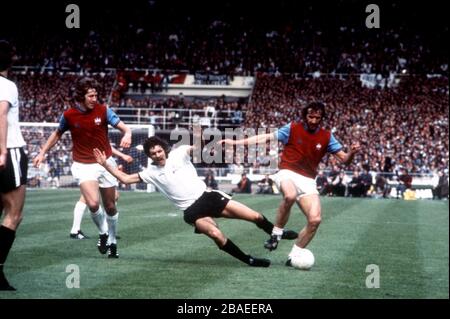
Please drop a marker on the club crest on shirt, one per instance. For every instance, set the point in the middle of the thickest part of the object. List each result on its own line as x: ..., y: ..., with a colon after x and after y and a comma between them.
x: 318, y: 146
x: 98, y: 121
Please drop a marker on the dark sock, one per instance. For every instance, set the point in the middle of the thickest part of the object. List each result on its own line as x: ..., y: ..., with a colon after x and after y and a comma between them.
x: 265, y: 225
x: 234, y: 251
x: 7, y: 237
x: 4, y: 284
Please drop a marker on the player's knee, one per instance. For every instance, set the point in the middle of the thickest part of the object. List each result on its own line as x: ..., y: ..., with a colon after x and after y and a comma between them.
x: 314, y: 221
x: 93, y: 206
x: 111, y: 209
x: 258, y: 218
x: 215, y: 234
x: 12, y: 219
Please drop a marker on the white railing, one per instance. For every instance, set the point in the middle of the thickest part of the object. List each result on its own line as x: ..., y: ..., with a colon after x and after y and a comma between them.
x: 169, y: 118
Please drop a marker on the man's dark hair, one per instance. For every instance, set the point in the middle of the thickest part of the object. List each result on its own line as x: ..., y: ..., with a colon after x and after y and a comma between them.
x: 314, y: 106
x: 6, y: 55
x: 153, y: 141
x: 81, y: 88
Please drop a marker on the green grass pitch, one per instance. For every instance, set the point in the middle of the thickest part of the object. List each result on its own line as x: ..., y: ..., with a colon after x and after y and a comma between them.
x: 161, y: 257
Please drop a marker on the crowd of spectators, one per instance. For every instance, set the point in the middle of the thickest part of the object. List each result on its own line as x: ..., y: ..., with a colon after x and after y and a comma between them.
x: 292, y: 37
x: 45, y: 95
x: 406, y: 126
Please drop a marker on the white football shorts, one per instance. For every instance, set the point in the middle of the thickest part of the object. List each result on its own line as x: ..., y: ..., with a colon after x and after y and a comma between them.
x: 304, y: 185
x: 94, y: 172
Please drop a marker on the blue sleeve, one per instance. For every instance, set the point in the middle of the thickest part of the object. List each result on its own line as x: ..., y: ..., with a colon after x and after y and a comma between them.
x: 112, y: 117
x: 333, y: 146
x: 283, y: 133
x: 63, y: 126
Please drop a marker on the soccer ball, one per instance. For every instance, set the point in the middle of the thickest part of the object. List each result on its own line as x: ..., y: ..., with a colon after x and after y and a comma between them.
x: 303, y: 259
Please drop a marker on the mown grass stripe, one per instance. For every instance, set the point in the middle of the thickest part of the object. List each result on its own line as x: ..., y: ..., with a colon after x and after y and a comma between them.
x: 161, y: 257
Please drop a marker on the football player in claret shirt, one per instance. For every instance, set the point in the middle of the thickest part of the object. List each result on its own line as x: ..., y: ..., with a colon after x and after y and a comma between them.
x: 87, y: 121
x: 305, y: 144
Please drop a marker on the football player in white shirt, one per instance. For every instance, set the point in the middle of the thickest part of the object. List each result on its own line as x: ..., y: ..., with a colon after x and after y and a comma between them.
x: 13, y: 161
x: 176, y: 178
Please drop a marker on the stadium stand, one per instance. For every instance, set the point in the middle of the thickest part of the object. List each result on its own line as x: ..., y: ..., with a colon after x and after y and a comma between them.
x: 386, y: 88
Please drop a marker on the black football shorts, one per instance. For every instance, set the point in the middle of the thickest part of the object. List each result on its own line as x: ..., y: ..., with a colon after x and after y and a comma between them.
x: 210, y: 203
x: 15, y: 173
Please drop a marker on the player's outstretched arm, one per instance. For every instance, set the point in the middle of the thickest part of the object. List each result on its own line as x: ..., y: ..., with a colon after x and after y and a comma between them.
x: 125, y: 178
x: 261, y: 138
x: 126, y: 139
x: 52, y: 140
x: 346, y: 158
x: 125, y: 157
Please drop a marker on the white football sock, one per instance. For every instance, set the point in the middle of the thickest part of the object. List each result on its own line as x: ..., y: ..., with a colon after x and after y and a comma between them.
x: 277, y: 231
x: 100, y: 221
x: 78, y: 213
x: 112, y: 228
x: 117, y: 214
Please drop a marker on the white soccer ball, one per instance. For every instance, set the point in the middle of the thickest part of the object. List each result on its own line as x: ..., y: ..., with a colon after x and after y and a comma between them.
x: 303, y: 259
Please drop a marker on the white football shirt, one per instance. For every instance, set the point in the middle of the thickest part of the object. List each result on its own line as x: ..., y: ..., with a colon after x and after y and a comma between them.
x: 8, y: 93
x: 177, y: 180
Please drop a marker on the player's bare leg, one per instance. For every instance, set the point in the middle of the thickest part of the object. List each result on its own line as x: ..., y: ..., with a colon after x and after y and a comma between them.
x: 109, y: 202
x: 89, y: 190
x: 289, y: 192
x: 310, y: 206
x: 208, y: 226
x: 12, y: 205
x: 240, y: 211
x: 78, y: 212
